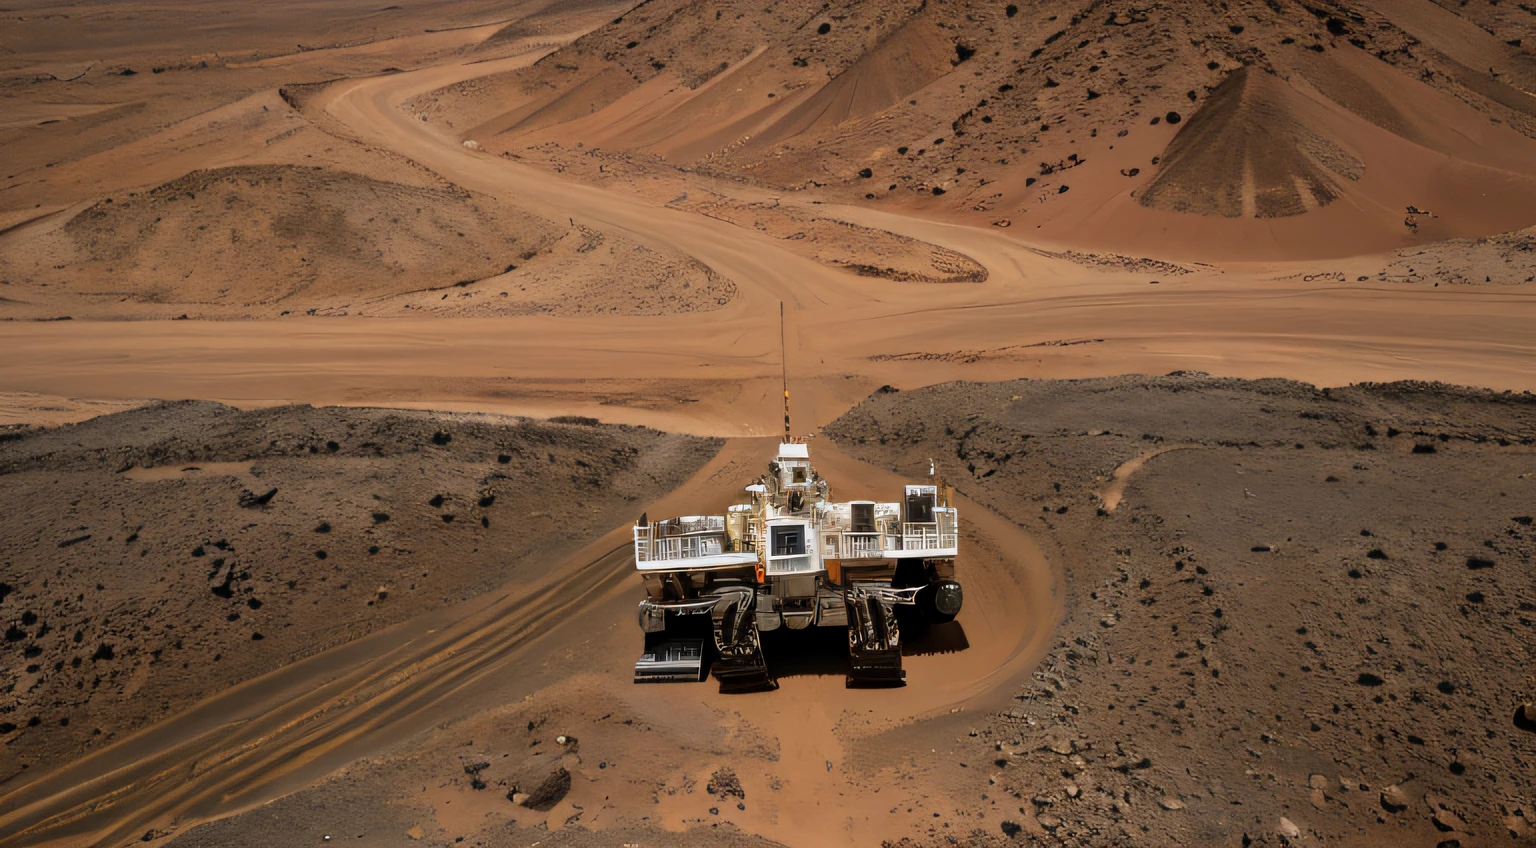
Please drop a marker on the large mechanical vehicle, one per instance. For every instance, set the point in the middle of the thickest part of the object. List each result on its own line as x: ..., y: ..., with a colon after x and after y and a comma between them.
x: 792, y: 557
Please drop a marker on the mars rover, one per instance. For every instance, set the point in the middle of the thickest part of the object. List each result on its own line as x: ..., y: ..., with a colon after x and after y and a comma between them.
x: 792, y: 557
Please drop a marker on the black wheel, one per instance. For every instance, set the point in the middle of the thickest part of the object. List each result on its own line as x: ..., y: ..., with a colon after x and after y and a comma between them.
x: 940, y: 602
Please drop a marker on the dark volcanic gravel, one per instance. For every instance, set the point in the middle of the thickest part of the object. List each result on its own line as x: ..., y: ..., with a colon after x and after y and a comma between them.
x: 1279, y: 630
x: 153, y: 557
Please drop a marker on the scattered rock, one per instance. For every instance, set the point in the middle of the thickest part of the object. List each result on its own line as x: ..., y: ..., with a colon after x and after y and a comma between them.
x: 725, y: 784
x: 551, y: 792
x: 1525, y: 717
x: 1288, y: 829
x: 251, y: 500
x: 1447, y: 821
x: 1060, y: 746
x: 1394, y: 799
x: 1171, y: 804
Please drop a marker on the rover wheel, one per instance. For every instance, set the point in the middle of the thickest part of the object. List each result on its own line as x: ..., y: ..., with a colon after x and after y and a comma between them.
x: 940, y: 602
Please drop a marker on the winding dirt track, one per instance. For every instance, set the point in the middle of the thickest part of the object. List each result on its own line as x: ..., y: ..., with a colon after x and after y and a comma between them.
x: 275, y: 734
x: 1248, y: 321
x: 281, y: 732
x: 284, y: 730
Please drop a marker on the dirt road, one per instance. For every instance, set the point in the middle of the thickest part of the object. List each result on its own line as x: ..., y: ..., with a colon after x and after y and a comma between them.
x: 278, y: 733
x: 1036, y: 315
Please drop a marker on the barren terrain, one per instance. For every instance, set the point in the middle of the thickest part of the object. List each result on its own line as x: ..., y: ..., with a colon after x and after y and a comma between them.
x: 1282, y: 602
x: 471, y: 285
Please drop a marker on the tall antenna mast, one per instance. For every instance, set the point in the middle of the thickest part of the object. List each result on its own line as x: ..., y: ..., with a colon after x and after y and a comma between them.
x: 784, y: 364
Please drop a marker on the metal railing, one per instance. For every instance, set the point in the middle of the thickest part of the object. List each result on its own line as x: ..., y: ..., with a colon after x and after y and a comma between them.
x: 912, y: 537
x: 924, y: 536
x: 648, y: 548
x: 862, y: 546
x: 691, y: 524
x: 790, y: 565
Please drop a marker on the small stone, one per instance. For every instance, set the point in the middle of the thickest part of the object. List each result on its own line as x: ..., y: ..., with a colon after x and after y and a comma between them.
x: 724, y: 784
x: 1073, y: 791
x: 1525, y: 717
x: 416, y: 832
x: 519, y: 798
x: 1394, y: 799
x: 1317, y: 781
x: 1288, y: 829
x: 1049, y: 822
x: 1171, y: 804
x: 1060, y: 746
x: 1447, y: 821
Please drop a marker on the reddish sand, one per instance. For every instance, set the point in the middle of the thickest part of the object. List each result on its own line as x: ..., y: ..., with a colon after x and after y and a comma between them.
x: 614, y: 202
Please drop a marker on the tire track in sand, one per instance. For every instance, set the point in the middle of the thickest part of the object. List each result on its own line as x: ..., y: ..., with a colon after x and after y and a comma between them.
x: 283, y: 731
x: 278, y: 734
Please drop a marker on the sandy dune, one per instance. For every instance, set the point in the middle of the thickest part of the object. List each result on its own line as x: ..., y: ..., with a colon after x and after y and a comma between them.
x: 1314, y: 319
x: 1088, y: 125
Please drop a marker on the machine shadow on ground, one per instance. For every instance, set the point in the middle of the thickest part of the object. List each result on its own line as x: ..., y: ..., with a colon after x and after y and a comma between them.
x: 823, y: 651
